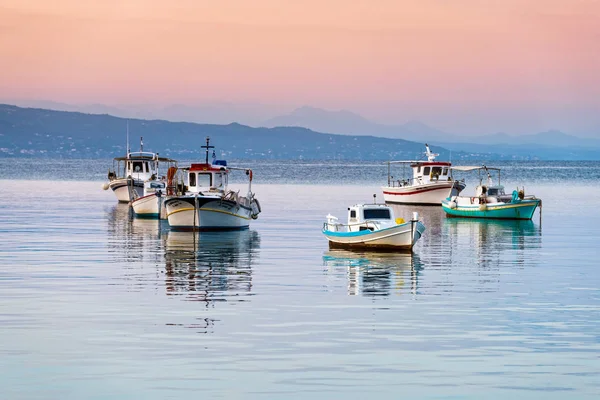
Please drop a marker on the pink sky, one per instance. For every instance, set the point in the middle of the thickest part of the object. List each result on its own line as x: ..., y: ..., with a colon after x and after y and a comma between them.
x: 390, y: 60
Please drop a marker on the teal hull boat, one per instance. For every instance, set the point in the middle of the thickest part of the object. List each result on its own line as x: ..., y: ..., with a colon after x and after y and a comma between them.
x: 490, y: 200
x: 515, y: 209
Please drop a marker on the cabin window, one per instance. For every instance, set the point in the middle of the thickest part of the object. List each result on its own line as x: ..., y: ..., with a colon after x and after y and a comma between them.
x: 146, y: 168
x: 445, y: 172
x: 137, y: 166
x: 192, y: 179
x: 418, y: 169
x: 436, y: 171
x: 426, y: 170
x: 204, y: 180
x: 353, y: 214
x: 377, y: 214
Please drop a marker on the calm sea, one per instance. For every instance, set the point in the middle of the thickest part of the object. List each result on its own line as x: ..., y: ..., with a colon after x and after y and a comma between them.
x: 95, y: 304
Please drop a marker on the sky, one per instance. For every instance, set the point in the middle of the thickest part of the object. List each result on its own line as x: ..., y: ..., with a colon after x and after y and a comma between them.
x: 464, y: 66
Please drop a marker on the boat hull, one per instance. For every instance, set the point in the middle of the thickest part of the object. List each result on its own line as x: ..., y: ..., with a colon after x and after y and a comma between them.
x: 519, y: 210
x: 206, y: 213
x: 150, y: 206
x: 427, y: 194
x: 121, y: 187
x: 399, y: 237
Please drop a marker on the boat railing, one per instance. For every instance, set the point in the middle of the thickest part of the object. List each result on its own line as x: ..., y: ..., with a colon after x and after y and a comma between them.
x: 403, y: 182
x: 371, y: 225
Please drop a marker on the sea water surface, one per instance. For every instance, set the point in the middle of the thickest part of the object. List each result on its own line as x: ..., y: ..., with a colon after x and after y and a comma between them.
x: 96, y: 304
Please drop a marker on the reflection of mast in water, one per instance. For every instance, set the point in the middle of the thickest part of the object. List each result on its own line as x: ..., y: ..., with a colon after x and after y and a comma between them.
x: 210, y: 266
x: 375, y: 274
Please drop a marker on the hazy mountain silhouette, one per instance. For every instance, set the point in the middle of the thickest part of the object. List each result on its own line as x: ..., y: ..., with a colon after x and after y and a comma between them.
x: 348, y: 123
x: 42, y: 132
x: 47, y: 133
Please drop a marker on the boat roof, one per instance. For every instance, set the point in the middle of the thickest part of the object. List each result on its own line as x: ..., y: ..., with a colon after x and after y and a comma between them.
x: 473, y: 168
x: 371, y: 205
x: 206, y: 167
x: 419, y: 162
x: 144, y: 156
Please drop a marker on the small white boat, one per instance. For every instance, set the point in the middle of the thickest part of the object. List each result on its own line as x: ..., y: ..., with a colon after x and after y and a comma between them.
x: 126, y: 178
x: 373, y: 227
x: 151, y: 204
x: 208, y: 204
x: 431, y: 182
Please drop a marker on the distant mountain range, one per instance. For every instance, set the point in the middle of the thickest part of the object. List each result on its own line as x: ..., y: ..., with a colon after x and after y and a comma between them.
x: 346, y: 122
x: 47, y: 133
x: 32, y: 132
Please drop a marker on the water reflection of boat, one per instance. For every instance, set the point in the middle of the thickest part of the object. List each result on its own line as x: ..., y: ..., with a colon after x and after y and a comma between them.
x: 210, y: 266
x: 494, y: 233
x: 374, y: 273
x: 132, y: 238
x: 492, y: 244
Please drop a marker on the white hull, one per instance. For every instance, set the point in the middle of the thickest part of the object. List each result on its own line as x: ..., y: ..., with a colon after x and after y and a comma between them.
x: 120, y: 188
x: 150, y: 206
x: 399, y: 237
x: 428, y: 194
x: 206, y: 213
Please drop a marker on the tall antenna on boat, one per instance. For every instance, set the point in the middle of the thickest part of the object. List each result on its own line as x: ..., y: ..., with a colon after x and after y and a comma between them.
x: 128, y: 149
x: 141, y: 144
x: 207, y: 147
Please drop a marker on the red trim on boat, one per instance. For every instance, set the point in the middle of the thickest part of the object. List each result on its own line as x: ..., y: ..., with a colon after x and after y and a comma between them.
x: 417, y: 191
x: 143, y: 197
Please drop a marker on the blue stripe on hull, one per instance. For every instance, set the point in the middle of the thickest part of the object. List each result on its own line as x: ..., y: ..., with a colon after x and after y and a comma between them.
x: 146, y: 216
x: 209, y: 228
x: 509, y: 211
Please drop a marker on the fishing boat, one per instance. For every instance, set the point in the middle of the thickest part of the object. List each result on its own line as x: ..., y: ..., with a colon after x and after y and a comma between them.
x: 430, y: 183
x: 128, y: 174
x: 151, y: 204
x: 490, y: 200
x: 373, y: 227
x: 208, y: 203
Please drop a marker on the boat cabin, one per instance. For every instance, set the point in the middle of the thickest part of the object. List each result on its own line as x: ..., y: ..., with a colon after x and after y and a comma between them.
x: 155, y: 187
x: 141, y: 165
x: 423, y: 172
x: 204, y: 177
x: 426, y: 172
x: 370, y: 216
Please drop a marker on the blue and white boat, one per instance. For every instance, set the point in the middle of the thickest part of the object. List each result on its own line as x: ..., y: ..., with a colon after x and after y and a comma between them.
x: 490, y: 200
x: 373, y: 227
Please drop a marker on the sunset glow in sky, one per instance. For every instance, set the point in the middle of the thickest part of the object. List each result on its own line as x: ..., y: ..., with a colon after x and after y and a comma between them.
x: 452, y: 64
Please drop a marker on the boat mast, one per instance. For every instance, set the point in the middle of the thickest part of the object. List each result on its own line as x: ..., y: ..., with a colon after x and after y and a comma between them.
x: 207, y: 147
x: 128, y: 149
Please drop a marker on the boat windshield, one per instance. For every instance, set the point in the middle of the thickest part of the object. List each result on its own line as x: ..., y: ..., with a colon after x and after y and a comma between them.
x: 382, y: 213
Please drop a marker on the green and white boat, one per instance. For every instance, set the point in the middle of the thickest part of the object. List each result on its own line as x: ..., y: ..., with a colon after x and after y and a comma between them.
x: 490, y: 200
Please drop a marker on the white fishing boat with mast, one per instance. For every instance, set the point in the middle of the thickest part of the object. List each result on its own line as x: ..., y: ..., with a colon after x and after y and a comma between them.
x: 128, y: 174
x: 431, y: 182
x: 208, y: 203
